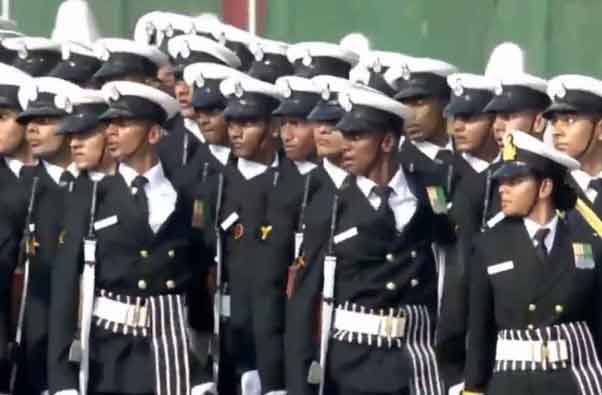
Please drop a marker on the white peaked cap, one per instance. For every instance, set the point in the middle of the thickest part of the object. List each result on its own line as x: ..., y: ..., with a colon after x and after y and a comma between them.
x: 115, y: 89
x: 238, y: 85
x: 505, y: 59
x: 290, y: 83
x: 13, y: 76
x: 526, y: 142
x: 86, y: 96
x: 373, y: 99
x: 209, y: 71
x: 356, y: 42
x: 59, y: 87
x: 558, y: 85
x: 319, y: 49
x: 75, y: 22
x: 460, y: 81
x: 526, y: 80
x: 182, y: 45
x: 104, y: 47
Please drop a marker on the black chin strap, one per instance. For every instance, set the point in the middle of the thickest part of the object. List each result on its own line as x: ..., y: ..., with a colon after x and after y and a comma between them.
x: 590, y: 141
x: 534, y: 201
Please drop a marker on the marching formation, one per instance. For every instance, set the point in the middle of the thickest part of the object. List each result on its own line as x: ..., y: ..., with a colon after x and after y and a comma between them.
x: 199, y: 210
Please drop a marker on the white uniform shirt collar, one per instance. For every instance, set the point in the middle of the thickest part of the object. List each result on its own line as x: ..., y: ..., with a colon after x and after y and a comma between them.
x: 159, y: 191
x: 194, y: 128
x: 402, y: 200
x: 477, y: 164
x: 431, y: 150
x: 220, y: 152
x: 55, y: 171
x: 304, y: 166
x: 15, y: 165
x: 96, y: 175
x: 250, y: 169
x: 533, y: 227
x: 337, y: 175
x: 583, y: 179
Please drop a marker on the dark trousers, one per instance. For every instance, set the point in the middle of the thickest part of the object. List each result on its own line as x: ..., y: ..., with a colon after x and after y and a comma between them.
x: 340, y: 389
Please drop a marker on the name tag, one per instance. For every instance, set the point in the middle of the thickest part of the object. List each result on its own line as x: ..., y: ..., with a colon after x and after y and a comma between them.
x: 495, y: 219
x: 105, y: 223
x: 228, y: 222
x: 346, y: 235
x: 298, y: 243
x: 500, y: 267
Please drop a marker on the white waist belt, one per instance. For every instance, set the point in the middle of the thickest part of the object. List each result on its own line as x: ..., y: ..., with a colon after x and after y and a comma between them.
x: 370, y: 324
x: 131, y: 315
x: 532, y: 350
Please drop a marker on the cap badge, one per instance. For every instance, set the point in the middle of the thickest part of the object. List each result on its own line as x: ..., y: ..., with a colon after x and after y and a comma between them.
x: 32, y: 95
x: 457, y: 87
x: 560, y: 92
x: 306, y: 58
x: 238, y: 90
x: 169, y: 32
x: 326, y: 93
x: 345, y: 102
x: 150, y: 28
x: 114, y: 94
x: 65, y: 52
x: 104, y: 54
x: 258, y: 53
x: 287, y: 91
x: 199, y: 81
x: 406, y: 74
x: 221, y: 38
x: 509, y: 152
x: 63, y: 102
x: 499, y: 89
x: 185, y: 50
x: 23, y: 53
x: 377, y: 67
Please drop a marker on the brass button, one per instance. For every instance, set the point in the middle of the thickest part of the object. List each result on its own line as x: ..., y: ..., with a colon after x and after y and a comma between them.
x: 171, y: 253
x: 144, y: 253
x: 530, y: 327
x: 414, y: 282
x: 532, y: 307
x: 171, y: 284
x: 391, y: 286
x: 142, y: 284
x: 390, y: 258
x: 413, y: 254
x: 559, y: 308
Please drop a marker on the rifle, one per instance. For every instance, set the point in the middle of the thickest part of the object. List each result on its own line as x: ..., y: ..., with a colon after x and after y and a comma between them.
x: 317, y: 371
x: 80, y: 351
x: 28, y: 250
x: 301, y: 223
x: 487, y: 201
x: 220, y: 288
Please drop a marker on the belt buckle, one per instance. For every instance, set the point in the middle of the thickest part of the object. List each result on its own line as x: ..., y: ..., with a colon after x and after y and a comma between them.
x: 545, y: 353
x: 388, y: 325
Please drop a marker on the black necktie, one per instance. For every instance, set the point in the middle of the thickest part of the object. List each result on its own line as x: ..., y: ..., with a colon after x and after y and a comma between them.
x: 595, y: 184
x: 66, y: 180
x: 445, y: 156
x: 384, y: 211
x: 139, y: 194
x: 540, y: 247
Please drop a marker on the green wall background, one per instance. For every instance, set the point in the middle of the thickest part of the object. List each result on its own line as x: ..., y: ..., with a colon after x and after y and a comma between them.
x: 559, y: 36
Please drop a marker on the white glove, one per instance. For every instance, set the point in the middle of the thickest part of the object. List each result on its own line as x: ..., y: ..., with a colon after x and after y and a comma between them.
x: 204, y: 389
x: 250, y: 383
x: 456, y: 389
x: 63, y: 392
x: 278, y: 392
